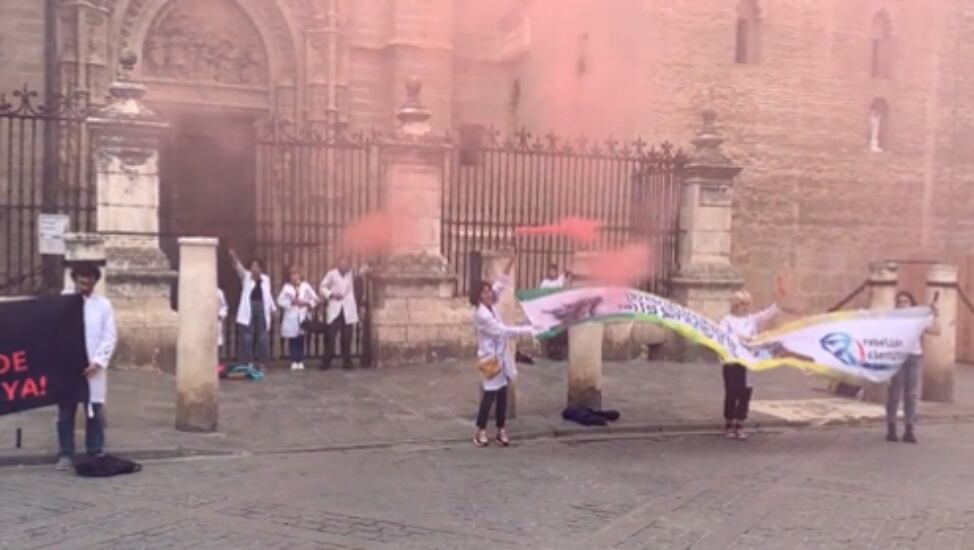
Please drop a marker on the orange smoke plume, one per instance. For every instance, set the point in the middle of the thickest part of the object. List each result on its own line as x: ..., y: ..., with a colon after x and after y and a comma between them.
x: 580, y: 230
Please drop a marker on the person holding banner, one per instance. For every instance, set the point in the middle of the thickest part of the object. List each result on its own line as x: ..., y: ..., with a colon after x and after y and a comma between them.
x: 906, y: 381
x: 494, y: 364
x: 100, y: 339
x: 254, y: 311
x: 737, y: 394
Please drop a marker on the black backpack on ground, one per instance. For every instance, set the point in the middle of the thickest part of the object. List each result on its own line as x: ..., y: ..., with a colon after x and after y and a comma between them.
x: 105, y: 466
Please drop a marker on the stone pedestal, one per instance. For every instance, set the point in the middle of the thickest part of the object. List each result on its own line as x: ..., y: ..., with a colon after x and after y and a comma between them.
x: 415, y: 316
x: 940, y: 350
x: 706, y: 278
x: 883, y: 279
x: 197, y: 381
x: 126, y: 138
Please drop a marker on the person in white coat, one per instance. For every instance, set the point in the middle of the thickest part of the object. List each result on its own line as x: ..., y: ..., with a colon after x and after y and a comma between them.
x: 221, y: 316
x: 100, y: 340
x: 492, y: 339
x: 556, y: 348
x: 295, y: 300
x: 254, y: 312
x: 745, y: 325
x: 341, y: 313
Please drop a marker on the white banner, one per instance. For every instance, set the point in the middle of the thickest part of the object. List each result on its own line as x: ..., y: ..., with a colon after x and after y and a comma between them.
x: 850, y: 345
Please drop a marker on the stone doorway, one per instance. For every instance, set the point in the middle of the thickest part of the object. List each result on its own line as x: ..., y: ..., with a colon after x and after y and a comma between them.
x: 209, y: 187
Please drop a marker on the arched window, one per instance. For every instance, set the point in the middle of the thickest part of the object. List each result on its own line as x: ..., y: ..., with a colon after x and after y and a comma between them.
x: 748, y: 32
x: 879, y: 126
x: 882, y: 52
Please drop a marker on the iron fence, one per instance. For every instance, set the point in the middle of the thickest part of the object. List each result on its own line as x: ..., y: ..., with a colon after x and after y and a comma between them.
x: 496, y: 185
x: 45, y: 167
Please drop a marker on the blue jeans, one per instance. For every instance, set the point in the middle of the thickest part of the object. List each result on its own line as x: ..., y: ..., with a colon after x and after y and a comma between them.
x: 255, y: 334
x: 295, y: 348
x: 94, y: 428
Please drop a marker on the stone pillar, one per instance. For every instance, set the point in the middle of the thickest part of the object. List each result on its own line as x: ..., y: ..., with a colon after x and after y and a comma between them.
x: 883, y: 279
x: 414, y: 314
x: 126, y: 137
x: 584, y: 349
x: 420, y: 44
x: 706, y: 278
x: 83, y: 248
x: 197, y: 383
x: 940, y: 350
x: 82, y: 35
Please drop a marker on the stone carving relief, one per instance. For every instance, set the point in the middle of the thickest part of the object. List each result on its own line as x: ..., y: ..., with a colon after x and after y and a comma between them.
x: 207, y: 41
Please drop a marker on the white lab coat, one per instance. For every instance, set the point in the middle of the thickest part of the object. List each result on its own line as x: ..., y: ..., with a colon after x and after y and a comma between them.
x: 554, y: 283
x: 334, y: 284
x: 294, y: 315
x: 492, y: 338
x: 100, y: 340
x: 243, y: 310
x: 747, y: 326
x: 221, y: 315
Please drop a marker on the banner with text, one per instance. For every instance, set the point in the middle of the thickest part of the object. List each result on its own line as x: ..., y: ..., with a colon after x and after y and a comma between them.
x: 853, y: 345
x: 42, y: 352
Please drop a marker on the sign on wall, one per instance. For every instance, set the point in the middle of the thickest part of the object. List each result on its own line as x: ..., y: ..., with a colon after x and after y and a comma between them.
x: 50, y: 233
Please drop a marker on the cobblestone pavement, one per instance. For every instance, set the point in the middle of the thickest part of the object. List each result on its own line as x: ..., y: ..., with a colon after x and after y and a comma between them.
x: 313, y: 409
x: 823, y: 488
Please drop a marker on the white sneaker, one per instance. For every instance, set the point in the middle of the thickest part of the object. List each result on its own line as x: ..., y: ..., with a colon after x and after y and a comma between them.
x: 300, y: 366
x: 63, y: 464
x: 294, y: 366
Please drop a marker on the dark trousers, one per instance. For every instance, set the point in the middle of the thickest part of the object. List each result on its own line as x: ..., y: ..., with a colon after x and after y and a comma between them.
x: 94, y: 428
x: 737, y: 396
x: 486, y: 401
x: 336, y: 326
x: 295, y: 349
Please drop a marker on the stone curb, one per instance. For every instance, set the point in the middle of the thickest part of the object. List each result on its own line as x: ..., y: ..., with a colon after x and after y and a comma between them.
x: 672, y: 429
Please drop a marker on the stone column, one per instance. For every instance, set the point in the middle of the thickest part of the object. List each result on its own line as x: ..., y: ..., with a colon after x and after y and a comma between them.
x: 584, y: 349
x: 883, y: 279
x: 706, y: 278
x: 414, y: 314
x: 82, y: 35
x: 126, y: 137
x: 197, y: 384
x: 940, y: 350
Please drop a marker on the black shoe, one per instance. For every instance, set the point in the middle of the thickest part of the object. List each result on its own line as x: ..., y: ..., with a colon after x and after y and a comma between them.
x: 891, y: 433
x: 908, y: 436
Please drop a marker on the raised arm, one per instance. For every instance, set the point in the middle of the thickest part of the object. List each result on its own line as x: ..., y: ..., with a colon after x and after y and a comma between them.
x: 222, y: 309
x: 765, y: 316
x: 238, y: 265
x: 491, y: 325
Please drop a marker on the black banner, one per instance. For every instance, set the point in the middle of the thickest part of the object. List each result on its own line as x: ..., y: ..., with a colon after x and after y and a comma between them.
x: 42, y: 352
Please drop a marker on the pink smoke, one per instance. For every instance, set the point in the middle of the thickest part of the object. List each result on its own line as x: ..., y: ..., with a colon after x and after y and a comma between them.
x: 623, y: 267
x: 369, y: 235
x: 580, y: 230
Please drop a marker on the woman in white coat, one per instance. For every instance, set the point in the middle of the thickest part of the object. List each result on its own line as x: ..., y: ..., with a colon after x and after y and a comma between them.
x: 295, y: 299
x: 492, y: 339
x: 254, y: 312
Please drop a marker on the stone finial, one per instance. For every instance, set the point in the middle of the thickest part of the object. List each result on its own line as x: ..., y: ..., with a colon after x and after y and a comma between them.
x: 413, y: 116
x: 707, y: 144
x: 126, y: 93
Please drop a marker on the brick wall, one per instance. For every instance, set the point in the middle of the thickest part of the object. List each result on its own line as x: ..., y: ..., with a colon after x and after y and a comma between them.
x: 812, y: 198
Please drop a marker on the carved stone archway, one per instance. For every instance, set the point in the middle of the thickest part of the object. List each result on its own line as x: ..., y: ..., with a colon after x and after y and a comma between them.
x: 238, y: 54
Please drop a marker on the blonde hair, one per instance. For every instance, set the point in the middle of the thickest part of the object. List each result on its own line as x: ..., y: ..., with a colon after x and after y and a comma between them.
x: 740, y: 297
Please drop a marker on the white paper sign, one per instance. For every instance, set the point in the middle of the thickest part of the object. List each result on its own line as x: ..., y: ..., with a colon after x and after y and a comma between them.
x: 50, y: 233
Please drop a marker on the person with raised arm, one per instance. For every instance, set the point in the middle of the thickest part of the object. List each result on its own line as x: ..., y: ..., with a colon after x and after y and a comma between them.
x: 254, y: 311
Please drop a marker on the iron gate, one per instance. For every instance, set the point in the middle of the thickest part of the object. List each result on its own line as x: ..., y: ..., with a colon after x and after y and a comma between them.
x: 496, y: 185
x: 45, y: 167
x: 309, y: 186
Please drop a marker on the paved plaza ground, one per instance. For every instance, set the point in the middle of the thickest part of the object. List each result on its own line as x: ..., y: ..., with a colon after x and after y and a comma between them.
x: 823, y: 488
x: 374, y: 407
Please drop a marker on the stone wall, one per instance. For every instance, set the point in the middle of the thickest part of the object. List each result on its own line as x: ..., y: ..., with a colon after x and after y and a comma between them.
x: 21, y: 45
